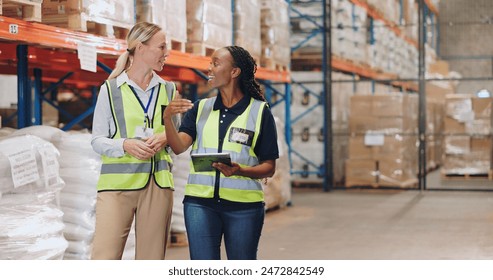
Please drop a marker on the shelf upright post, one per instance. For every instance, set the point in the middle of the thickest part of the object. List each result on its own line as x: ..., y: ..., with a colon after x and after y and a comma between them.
x: 287, y: 124
x: 422, y: 97
x: 268, y: 91
x: 327, y: 97
x: 23, y: 89
x: 38, y: 97
x: 233, y: 8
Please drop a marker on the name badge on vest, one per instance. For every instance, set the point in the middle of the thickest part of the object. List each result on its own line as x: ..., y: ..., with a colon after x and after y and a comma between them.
x: 142, y: 132
x: 241, y: 136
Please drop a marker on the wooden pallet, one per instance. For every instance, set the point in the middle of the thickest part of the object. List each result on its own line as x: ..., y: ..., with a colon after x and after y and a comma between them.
x: 81, y: 22
x: 308, y: 183
x: 200, y: 48
x: 410, y: 183
x: 273, y: 65
x: 467, y: 176
x: 177, y: 45
x: 28, y: 10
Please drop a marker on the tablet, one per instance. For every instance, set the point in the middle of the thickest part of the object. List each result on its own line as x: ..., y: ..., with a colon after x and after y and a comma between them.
x: 203, y: 162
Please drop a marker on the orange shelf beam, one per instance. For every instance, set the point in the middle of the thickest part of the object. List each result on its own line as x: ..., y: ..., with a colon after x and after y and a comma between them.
x: 31, y: 33
x: 348, y: 66
x: 377, y: 15
x: 364, y: 71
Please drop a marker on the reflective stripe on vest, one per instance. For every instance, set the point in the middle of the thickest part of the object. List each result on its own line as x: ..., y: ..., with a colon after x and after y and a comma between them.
x: 234, y: 188
x: 127, y: 172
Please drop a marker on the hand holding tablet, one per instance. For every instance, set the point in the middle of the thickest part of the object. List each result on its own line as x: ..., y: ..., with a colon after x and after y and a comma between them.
x: 203, y: 162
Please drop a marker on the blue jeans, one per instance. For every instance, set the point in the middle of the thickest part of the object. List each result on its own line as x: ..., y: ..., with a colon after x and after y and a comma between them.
x: 206, y: 226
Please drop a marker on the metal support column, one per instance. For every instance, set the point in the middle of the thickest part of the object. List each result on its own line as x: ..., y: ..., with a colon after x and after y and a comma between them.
x: 287, y: 121
x: 38, y: 97
x: 422, y: 97
x: 24, y: 99
x: 327, y: 97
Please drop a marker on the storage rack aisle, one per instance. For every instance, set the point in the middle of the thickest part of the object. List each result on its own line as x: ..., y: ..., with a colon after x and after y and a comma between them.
x: 317, y: 49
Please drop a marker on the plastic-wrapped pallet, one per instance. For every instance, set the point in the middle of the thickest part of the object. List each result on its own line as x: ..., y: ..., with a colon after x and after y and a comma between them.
x: 274, y: 26
x: 5, y: 132
x: 47, y: 133
x: 81, y: 14
x: 155, y: 11
x: 79, y: 168
x: 181, y: 169
x: 278, y: 188
x: 247, y: 26
x: 32, y: 226
x: 208, y: 25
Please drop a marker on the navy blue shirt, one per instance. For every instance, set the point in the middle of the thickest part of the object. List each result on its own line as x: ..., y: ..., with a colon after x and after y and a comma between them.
x: 265, y: 149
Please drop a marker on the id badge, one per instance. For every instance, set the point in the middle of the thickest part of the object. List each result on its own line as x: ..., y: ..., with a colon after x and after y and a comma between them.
x: 241, y: 136
x: 142, y: 132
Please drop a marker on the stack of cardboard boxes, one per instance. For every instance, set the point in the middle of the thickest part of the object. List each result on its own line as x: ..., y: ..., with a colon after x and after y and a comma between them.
x: 209, y: 25
x: 383, y: 141
x: 274, y: 27
x: 170, y: 15
x: 467, y: 140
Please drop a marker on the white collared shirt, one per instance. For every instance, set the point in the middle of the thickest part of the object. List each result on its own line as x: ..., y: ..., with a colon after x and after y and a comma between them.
x: 103, y: 126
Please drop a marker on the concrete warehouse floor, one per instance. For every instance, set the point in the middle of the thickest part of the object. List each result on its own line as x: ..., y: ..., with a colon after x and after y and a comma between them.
x: 359, y: 224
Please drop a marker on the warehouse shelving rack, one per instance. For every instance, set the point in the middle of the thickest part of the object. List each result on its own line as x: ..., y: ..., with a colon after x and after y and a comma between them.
x: 332, y: 63
x: 43, y: 53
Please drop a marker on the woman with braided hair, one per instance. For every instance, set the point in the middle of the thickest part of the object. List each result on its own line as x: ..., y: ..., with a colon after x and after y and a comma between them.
x: 227, y: 201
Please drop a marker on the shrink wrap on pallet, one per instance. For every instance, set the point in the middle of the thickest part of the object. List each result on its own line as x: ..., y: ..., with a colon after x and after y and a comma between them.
x: 247, y: 26
x: 169, y: 14
x: 274, y: 24
x: 209, y: 25
x: 32, y: 226
x: 80, y: 15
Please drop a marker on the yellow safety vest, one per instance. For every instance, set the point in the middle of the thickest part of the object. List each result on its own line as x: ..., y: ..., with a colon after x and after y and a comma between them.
x: 245, y: 126
x: 128, y: 172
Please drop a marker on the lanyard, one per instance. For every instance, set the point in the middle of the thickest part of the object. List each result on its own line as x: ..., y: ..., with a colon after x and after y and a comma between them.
x: 145, y: 108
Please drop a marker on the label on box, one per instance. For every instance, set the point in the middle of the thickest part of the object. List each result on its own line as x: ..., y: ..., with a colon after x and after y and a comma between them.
x: 374, y: 139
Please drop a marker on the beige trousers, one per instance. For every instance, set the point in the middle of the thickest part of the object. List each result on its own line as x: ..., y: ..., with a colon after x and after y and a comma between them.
x: 115, y: 211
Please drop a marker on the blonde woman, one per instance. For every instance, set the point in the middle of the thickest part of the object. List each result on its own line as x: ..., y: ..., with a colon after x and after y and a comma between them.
x: 128, y: 133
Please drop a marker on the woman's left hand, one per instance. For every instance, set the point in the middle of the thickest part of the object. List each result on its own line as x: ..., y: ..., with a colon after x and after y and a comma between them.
x: 157, y: 142
x: 226, y: 169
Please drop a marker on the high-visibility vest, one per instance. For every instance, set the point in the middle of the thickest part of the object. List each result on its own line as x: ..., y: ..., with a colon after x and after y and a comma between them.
x: 128, y: 172
x: 247, y: 127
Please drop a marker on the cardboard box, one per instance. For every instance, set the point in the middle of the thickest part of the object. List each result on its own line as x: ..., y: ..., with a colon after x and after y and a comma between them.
x: 362, y: 124
x: 459, y: 106
x: 436, y: 92
x: 440, y: 67
x: 457, y: 144
x: 360, y: 172
x: 452, y: 125
x: 481, y: 145
x: 396, y: 173
x: 394, y: 147
x: 481, y: 107
x: 394, y: 105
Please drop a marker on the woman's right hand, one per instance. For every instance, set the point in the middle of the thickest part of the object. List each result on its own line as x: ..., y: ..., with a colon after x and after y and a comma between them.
x: 138, y: 149
x: 177, y: 106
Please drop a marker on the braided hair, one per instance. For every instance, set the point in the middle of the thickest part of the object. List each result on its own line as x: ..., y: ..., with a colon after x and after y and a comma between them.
x: 244, y: 61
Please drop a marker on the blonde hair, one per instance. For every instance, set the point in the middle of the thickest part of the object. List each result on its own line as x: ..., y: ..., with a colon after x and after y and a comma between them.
x: 140, y: 33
